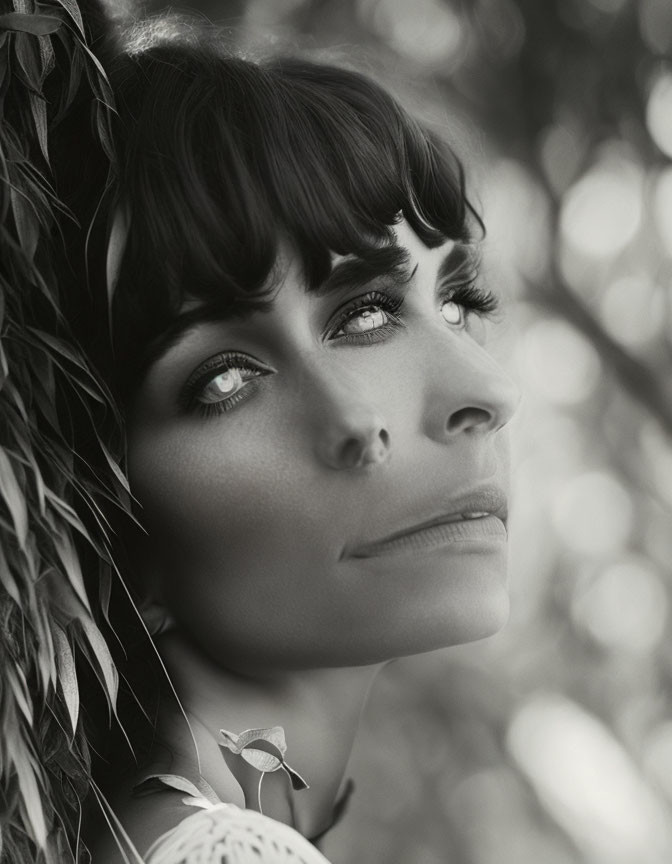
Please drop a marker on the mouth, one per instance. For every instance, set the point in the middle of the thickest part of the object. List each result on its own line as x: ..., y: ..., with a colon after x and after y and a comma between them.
x: 479, y: 515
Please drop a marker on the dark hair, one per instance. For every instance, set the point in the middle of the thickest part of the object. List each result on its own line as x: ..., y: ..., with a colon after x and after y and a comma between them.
x: 221, y: 157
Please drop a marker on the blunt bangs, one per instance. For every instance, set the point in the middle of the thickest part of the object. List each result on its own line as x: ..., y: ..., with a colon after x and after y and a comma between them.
x: 222, y: 158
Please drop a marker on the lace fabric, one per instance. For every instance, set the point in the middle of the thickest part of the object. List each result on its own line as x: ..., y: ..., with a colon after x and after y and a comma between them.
x: 226, y: 834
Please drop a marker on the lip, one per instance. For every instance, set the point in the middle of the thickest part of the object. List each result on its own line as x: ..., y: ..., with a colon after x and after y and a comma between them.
x: 445, y: 528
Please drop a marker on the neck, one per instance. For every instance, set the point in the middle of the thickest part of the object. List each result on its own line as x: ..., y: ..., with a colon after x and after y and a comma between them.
x: 319, y: 711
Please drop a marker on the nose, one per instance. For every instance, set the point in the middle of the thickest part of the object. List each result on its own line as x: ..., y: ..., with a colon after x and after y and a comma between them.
x: 356, y: 445
x: 350, y: 431
x: 472, y: 395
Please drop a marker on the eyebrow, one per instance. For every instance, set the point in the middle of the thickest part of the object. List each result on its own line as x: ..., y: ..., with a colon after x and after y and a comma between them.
x: 212, y: 312
x: 354, y: 272
x: 461, y: 258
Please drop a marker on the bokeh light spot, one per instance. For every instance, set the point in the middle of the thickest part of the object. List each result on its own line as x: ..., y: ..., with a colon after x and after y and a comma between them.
x: 657, y: 454
x: 655, y: 24
x: 562, y: 148
x: 625, y: 607
x: 592, y: 514
x: 658, y: 756
x: 521, y: 246
x: 632, y: 309
x: 609, y: 6
x: 557, y: 362
x: 659, y: 112
x: 662, y: 204
x: 503, y: 28
x: 588, y: 782
x: 426, y: 31
x: 602, y: 211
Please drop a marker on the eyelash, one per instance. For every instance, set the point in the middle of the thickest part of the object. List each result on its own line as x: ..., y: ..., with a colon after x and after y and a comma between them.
x: 474, y: 300
x: 389, y: 304
x: 478, y: 301
x: 213, y: 367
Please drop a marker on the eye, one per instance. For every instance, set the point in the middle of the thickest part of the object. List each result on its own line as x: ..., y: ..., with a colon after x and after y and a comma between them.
x: 367, y: 319
x: 459, y: 303
x: 222, y: 382
x: 453, y: 313
x: 223, y: 386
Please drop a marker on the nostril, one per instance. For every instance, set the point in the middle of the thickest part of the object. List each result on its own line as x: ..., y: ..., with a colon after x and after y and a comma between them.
x: 469, y: 418
x: 357, y: 452
x: 351, y: 452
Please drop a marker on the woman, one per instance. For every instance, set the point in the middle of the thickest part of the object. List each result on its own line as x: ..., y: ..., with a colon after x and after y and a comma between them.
x: 315, y: 441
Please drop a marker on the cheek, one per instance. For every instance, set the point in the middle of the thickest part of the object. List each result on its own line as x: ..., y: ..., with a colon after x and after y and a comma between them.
x: 204, y: 496
x: 237, y: 535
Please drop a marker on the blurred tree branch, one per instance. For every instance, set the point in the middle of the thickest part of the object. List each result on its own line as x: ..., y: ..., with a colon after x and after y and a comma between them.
x: 637, y: 378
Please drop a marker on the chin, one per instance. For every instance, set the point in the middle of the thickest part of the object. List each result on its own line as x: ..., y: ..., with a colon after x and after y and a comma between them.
x: 452, y: 601
x: 480, y: 620
x: 492, y: 615
x: 484, y: 615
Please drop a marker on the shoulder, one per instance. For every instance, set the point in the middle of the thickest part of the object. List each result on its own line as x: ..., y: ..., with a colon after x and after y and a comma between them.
x: 224, y: 832
x: 164, y: 829
x: 130, y: 825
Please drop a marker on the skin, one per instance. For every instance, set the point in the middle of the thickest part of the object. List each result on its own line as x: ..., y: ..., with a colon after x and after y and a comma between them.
x: 252, y: 510
x: 253, y: 516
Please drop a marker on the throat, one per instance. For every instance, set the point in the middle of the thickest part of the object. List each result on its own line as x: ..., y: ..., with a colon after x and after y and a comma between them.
x: 318, y: 712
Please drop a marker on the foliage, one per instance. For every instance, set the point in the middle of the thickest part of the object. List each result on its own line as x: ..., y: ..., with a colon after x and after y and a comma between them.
x: 53, y: 498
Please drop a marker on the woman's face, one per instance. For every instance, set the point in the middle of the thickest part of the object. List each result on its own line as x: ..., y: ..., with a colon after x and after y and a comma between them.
x: 324, y: 481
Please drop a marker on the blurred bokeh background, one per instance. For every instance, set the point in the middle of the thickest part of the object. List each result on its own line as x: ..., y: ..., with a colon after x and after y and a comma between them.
x: 552, y: 742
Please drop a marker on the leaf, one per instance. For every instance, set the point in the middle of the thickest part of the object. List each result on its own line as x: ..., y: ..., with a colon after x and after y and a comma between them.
x: 100, y: 84
x: 14, y: 498
x: 19, y: 687
x: 261, y: 760
x: 115, y: 249
x: 46, y: 55
x: 7, y: 579
x: 39, y: 109
x: 71, y: 566
x: 31, y: 800
x: 116, y: 470
x: 103, y: 656
x: 40, y: 488
x: 26, y: 229
x: 4, y: 366
x: 273, y: 735
x: 105, y: 590
x: 72, y: 9
x: 21, y: 757
x: 70, y: 516
x: 157, y: 782
x: 67, y: 674
x: 297, y: 781
x: 36, y: 25
x: 262, y: 755
x: 104, y: 128
x: 48, y: 653
x: 76, y: 68
x: 62, y: 348
x: 29, y: 61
